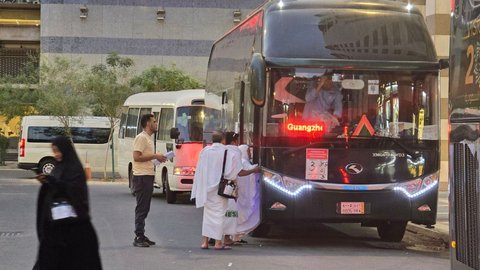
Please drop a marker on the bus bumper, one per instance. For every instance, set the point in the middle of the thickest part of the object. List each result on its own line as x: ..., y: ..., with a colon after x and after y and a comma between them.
x: 324, y: 206
x: 181, y: 183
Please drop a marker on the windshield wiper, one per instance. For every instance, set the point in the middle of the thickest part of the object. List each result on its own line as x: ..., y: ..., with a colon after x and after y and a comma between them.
x: 414, y: 154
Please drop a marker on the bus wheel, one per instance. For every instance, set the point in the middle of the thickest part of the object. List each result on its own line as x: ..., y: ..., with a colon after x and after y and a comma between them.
x: 170, y: 195
x: 47, y: 165
x: 392, y: 231
x: 130, y: 181
x: 262, y: 230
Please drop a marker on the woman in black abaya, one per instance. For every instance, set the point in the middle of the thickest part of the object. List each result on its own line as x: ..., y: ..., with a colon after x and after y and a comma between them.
x: 69, y: 243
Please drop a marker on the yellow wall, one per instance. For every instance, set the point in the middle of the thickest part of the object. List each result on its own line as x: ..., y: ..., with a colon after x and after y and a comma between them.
x: 11, y: 128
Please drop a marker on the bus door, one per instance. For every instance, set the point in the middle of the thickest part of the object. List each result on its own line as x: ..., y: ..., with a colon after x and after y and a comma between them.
x: 233, y: 109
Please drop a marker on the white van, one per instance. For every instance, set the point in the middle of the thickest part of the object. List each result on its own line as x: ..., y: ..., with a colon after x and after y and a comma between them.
x: 89, y: 134
x: 184, y: 111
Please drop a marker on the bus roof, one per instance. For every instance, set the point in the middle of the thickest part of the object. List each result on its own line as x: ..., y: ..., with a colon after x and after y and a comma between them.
x: 339, y: 33
x: 172, y: 98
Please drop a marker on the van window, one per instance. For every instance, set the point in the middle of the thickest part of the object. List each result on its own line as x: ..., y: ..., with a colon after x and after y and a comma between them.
x: 165, y: 124
x: 143, y: 111
x: 80, y: 134
x: 132, y: 122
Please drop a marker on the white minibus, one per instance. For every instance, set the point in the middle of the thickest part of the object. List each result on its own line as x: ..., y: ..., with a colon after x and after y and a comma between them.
x: 176, y: 112
x: 89, y: 134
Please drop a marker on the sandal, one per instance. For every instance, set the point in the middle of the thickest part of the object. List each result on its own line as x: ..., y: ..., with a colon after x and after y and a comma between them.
x: 241, y: 241
x: 223, y: 248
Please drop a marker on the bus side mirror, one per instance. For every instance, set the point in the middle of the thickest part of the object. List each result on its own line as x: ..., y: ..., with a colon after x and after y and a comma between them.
x: 257, y: 78
x: 174, y: 133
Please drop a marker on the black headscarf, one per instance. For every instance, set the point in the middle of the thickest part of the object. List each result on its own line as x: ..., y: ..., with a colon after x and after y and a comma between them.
x: 70, y: 161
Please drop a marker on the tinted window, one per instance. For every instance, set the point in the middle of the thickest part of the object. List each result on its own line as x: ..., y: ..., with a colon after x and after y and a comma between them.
x: 79, y: 134
x: 132, y: 122
x: 143, y: 111
x: 347, y: 34
x: 165, y: 124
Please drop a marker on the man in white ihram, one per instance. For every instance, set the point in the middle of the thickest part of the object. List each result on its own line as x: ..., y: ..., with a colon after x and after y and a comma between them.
x: 205, y: 188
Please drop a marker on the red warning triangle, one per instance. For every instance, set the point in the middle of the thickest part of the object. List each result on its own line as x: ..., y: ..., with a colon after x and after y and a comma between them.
x: 364, y: 128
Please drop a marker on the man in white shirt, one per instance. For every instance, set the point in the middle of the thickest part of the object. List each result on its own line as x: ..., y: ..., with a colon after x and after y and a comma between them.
x: 143, y: 176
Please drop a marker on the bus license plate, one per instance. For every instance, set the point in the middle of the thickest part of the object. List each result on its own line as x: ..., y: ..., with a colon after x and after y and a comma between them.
x: 352, y: 208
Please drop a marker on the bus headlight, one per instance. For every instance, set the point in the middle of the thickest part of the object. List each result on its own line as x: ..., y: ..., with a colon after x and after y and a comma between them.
x: 287, y: 185
x: 184, y: 171
x: 418, y: 186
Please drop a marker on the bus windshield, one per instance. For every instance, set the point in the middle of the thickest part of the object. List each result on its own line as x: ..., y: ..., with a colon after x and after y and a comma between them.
x: 343, y: 103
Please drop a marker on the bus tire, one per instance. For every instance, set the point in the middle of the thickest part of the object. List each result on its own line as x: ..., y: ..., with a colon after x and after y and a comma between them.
x: 130, y: 180
x: 262, y: 230
x: 392, y: 231
x: 170, y: 195
x: 47, y: 165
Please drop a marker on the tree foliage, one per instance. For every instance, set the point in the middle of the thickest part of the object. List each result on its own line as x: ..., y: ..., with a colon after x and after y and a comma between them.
x: 160, y: 78
x: 108, y: 86
x: 61, y: 90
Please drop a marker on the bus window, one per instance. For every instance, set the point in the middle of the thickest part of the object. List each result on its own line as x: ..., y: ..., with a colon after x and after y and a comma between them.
x: 143, y: 111
x: 132, y: 122
x: 165, y: 123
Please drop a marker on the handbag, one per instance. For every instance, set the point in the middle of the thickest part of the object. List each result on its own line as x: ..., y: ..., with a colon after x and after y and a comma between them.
x: 226, y: 188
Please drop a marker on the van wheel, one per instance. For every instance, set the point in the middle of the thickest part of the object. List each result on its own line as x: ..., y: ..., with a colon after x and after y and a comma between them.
x: 130, y: 181
x: 262, y: 230
x: 392, y: 231
x: 170, y: 195
x: 47, y: 165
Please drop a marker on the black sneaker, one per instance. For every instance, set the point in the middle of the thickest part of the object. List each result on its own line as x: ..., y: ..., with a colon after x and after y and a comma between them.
x: 149, y: 242
x: 140, y: 241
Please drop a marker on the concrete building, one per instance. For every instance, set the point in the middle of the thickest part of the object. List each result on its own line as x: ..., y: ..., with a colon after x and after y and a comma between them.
x: 151, y: 32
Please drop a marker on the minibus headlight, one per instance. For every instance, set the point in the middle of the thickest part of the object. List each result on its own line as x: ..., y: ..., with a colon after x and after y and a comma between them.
x: 418, y: 186
x: 287, y: 185
x: 184, y: 171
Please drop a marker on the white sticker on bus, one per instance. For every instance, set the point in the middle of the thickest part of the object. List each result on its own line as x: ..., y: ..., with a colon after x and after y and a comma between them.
x: 316, y: 164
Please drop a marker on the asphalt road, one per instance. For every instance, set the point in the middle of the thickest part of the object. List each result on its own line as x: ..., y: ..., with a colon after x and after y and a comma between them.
x: 177, y: 228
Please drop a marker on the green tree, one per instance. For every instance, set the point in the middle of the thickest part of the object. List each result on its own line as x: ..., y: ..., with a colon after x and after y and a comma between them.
x: 61, y: 90
x: 108, y: 87
x: 160, y: 78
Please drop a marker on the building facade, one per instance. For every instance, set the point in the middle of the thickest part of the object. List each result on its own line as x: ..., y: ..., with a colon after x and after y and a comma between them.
x: 151, y: 32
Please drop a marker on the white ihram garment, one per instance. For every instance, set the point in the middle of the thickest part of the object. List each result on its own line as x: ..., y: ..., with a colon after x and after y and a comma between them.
x: 205, y: 187
x: 231, y: 214
x: 248, y: 202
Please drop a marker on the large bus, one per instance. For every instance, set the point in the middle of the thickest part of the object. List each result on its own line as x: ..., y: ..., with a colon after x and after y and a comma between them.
x: 377, y: 163
x: 464, y: 147
x: 89, y: 134
x: 182, y: 111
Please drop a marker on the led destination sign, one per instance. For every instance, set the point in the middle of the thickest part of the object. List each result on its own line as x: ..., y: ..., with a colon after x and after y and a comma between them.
x: 305, y: 128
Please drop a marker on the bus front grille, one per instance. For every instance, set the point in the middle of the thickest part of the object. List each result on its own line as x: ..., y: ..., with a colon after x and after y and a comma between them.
x: 466, y: 204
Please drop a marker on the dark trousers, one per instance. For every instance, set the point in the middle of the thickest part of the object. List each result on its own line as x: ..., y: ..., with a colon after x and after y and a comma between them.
x: 143, y: 189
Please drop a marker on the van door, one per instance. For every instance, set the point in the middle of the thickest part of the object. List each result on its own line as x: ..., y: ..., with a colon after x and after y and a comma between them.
x: 164, y: 143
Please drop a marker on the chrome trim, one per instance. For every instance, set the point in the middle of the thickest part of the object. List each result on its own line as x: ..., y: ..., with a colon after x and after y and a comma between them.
x: 350, y: 187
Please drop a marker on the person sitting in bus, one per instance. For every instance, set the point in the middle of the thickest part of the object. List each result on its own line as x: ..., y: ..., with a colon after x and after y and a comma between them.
x: 324, y: 102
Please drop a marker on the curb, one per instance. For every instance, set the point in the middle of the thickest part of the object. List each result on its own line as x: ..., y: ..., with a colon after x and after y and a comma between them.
x: 437, y: 233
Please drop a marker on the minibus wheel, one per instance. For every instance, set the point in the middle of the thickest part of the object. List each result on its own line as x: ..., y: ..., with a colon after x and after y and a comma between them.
x: 46, y: 166
x: 391, y: 231
x: 170, y: 195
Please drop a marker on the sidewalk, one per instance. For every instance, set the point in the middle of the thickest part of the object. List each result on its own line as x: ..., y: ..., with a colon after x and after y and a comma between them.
x: 439, y: 231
